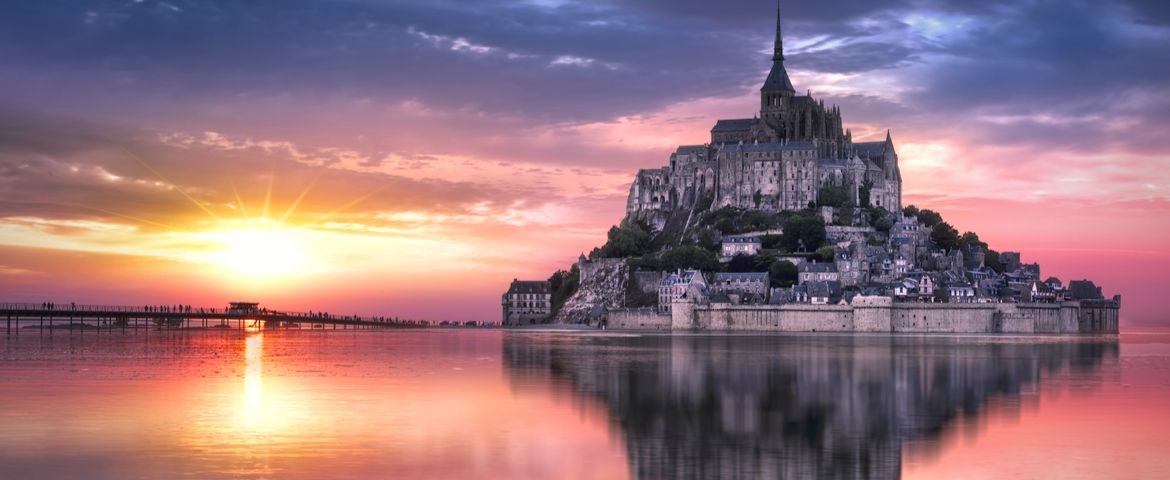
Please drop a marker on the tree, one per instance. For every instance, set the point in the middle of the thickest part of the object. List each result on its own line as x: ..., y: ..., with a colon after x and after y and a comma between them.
x: 930, y: 218
x: 991, y: 259
x: 708, y: 239
x: 563, y: 284
x: 806, y: 229
x: 771, y: 241
x: 756, y: 198
x: 945, y: 236
x: 827, y: 253
x: 831, y: 196
x: 630, y: 239
x: 741, y: 263
x: 845, y: 216
x: 782, y: 274
x: 910, y: 211
x: 941, y: 295
x: 863, y: 193
x: 689, y: 257
x: 971, y: 239
x: 881, y: 219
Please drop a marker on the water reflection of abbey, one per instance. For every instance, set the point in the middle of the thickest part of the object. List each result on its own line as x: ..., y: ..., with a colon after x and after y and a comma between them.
x: 790, y: 407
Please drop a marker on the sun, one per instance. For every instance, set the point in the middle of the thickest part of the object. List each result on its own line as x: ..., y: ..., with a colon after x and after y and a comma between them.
x: 261, y: 249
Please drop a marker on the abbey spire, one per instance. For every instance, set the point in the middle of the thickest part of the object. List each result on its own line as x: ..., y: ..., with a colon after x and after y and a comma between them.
x: 778, y: 48
x: 778, y: 81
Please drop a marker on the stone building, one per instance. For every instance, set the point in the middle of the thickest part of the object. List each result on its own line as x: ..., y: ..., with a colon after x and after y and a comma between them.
x: 817, y: 272
x: 777, y: 160
x: 733, y: 245
x: 742, y: 286
x: 527, y: 302
x: 682, y: 284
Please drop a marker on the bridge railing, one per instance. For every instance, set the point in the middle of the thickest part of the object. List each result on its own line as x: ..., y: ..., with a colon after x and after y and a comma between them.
x: 182, y: 309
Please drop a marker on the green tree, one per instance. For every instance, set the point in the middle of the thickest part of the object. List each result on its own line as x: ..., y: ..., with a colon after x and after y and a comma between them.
x: 563, y: 284
x: 708, y: 239
x: 863, y: 193
x: 945, y: 236
x: 754, y: 220
x: 832, y: 196
x: 971, y: 239
x: 930, y: 218
x: 741, y: 263
x: 688, y: 257
x: 771, y: 241
x: 881, y: 219
x: 806, y: 229
x: 845, y: 216
x: 941, y: 295
x: 782, y: 274
x: 631, y: 238
x: 910, y: 211
x: 991, y: 259
x: 756, y: 197
x: 827, y: 253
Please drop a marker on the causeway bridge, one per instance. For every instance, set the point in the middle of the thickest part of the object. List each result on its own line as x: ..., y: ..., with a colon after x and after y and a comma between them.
x: 49, y: 317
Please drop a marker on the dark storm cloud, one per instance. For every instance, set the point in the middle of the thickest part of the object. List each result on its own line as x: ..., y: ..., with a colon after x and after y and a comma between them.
x: 577, y: 62
x: 561, y: 61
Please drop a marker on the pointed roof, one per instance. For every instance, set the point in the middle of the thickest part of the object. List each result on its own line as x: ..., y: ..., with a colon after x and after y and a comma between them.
x: 778, y: 78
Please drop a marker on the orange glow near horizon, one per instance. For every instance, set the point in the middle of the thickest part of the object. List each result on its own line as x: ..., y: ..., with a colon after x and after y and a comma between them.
x: 262, y: 251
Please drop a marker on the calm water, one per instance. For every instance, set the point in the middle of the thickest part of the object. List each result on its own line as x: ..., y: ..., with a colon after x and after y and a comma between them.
x: 490, y: 404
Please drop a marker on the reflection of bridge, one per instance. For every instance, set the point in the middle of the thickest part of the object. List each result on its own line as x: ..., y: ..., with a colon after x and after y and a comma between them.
x: 104, y: 317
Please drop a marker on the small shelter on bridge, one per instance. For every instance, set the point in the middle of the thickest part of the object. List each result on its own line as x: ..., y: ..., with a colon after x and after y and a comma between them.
x: 243, y: 307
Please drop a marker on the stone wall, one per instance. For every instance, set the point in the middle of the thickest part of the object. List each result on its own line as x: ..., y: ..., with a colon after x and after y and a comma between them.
x: 637, y: 319
x: 880, y: 314
x: 648, y: 281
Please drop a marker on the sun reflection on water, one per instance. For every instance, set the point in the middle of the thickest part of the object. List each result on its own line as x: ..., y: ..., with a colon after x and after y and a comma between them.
x: 254, y: 381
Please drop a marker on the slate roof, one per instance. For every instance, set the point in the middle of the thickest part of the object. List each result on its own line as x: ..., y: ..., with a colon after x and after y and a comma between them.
x: 870, y: 149
x: 818, y: 267
x: 529, y: 286
x: 741, y: 239
x: 766, y: 147
x: 748, y: 277
x: 691, y: 149
x: 778, y: 79
x: 804, y: 100
x: 679, y: 279
x: 733, y: 125
x: 823, y: 289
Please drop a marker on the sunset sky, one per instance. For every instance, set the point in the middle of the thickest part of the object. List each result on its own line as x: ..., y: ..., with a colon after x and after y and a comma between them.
x: 412, y: 157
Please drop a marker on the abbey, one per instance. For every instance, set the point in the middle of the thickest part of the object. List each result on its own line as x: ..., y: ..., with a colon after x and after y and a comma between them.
x: 778, y: 160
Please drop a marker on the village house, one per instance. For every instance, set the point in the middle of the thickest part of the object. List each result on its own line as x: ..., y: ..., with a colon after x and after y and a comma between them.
x: 1040, y: 292
x: 741, y: 245
x: 817, y: 272
x: 679, y: 285
x: 746, y: 286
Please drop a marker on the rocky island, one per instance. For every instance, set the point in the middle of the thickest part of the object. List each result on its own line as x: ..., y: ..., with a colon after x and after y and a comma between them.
x: 781, y: 222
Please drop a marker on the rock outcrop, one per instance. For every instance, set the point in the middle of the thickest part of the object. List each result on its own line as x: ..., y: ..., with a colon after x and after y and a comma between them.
x: 603, y: 286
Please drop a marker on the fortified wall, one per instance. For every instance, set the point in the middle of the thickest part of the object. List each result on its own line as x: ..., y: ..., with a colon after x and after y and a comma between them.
x: 880, y: 314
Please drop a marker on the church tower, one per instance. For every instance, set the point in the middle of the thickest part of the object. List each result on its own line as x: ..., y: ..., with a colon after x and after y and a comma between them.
x: 777, y: 92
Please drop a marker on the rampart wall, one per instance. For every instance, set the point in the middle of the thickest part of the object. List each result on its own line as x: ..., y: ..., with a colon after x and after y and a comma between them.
x: 880, y: 314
